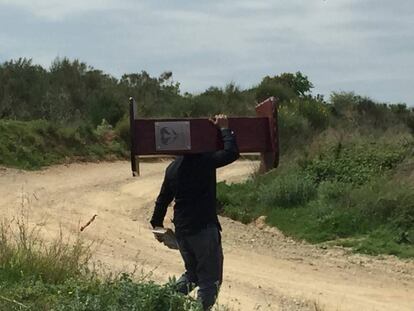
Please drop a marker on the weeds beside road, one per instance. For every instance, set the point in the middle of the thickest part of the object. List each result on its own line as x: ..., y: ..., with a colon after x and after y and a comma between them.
x: 56, y: 275
x: 352, y: 192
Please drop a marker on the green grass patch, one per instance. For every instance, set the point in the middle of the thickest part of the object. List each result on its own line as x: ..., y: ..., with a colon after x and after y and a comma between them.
x: 380, y: 241
x: 239, y: 201
x: 288, y: 190
x: 354, y: 163
x: 83, y: 294
x: 34, y: 144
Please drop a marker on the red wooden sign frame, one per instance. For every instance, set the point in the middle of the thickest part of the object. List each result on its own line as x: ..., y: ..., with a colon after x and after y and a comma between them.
x: 253, y: 134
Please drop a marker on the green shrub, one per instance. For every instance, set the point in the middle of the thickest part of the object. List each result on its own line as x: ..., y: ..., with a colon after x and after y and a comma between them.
x: 316, y: 112
x: 93, y: 294
x: 355, y: 163
x: 333, y: 191
x: 386, y: 202
x: 86, y: 131
x: 123, y: 131
x: 294, y: 129
x: 103, y: 128
x: 287, y: 191
x: 33, y: 144
x: 410, y: 122
x: 69, y: 137
x: 239, y: 201
x: 266, y: 90
x: 124, y: 294
x: 23, y: 254
x: 379, y: 241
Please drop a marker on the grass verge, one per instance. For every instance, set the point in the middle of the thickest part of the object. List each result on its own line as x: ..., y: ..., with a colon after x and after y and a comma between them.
x: 34, y: 144
x: 35, y: 275
x: 350, y: 193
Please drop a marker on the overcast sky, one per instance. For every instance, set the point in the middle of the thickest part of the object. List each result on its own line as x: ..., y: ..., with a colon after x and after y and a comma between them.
x: 366, y: 46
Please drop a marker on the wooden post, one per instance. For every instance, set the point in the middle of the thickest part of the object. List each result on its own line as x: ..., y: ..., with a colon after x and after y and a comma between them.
x: 134, y: 157
x: 268, y: 109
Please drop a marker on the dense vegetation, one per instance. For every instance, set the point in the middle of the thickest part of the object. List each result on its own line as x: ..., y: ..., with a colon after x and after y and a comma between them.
x: 350, y: 182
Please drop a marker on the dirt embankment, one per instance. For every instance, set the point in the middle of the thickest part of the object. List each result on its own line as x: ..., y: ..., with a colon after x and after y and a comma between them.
x: 263, y: 269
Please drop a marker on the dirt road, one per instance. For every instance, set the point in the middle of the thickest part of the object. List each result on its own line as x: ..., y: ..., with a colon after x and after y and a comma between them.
x: 263, y: 269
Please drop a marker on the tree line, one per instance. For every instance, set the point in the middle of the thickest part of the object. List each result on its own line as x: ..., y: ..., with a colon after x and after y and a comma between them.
x: 72, y: 93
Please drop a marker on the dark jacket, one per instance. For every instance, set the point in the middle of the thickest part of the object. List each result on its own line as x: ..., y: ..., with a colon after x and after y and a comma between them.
x: 191, y: 181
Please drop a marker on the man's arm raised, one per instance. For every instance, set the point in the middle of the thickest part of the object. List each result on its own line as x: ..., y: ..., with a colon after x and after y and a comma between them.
x: 230, y: 151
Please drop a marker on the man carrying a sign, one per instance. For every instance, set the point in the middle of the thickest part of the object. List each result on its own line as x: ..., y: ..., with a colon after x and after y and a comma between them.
x: 190, y: 181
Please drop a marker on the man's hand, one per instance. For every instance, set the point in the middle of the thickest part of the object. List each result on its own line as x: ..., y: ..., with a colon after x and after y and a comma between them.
x: 159, y: 233
x: 165, y: 236
x: 220, y: 121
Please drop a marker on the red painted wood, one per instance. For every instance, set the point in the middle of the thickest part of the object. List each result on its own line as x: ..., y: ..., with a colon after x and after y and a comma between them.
x: 268, y: 108
x: 252, y: 135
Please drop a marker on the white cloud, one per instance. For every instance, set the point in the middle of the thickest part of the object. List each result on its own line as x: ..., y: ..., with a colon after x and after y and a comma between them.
x: 58, y: 9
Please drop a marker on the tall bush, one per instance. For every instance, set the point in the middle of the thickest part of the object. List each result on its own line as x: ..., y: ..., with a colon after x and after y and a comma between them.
x: 287, y: 191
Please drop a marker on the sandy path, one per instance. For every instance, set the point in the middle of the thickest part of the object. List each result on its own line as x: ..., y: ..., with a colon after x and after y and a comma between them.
x: 263, y: 269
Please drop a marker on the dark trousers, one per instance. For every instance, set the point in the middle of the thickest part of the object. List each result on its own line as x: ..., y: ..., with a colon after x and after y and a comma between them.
x: 203, y: 259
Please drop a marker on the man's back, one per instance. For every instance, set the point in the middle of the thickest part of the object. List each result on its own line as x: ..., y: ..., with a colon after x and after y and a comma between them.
x: 195, y: 198
x: 191, y: 180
